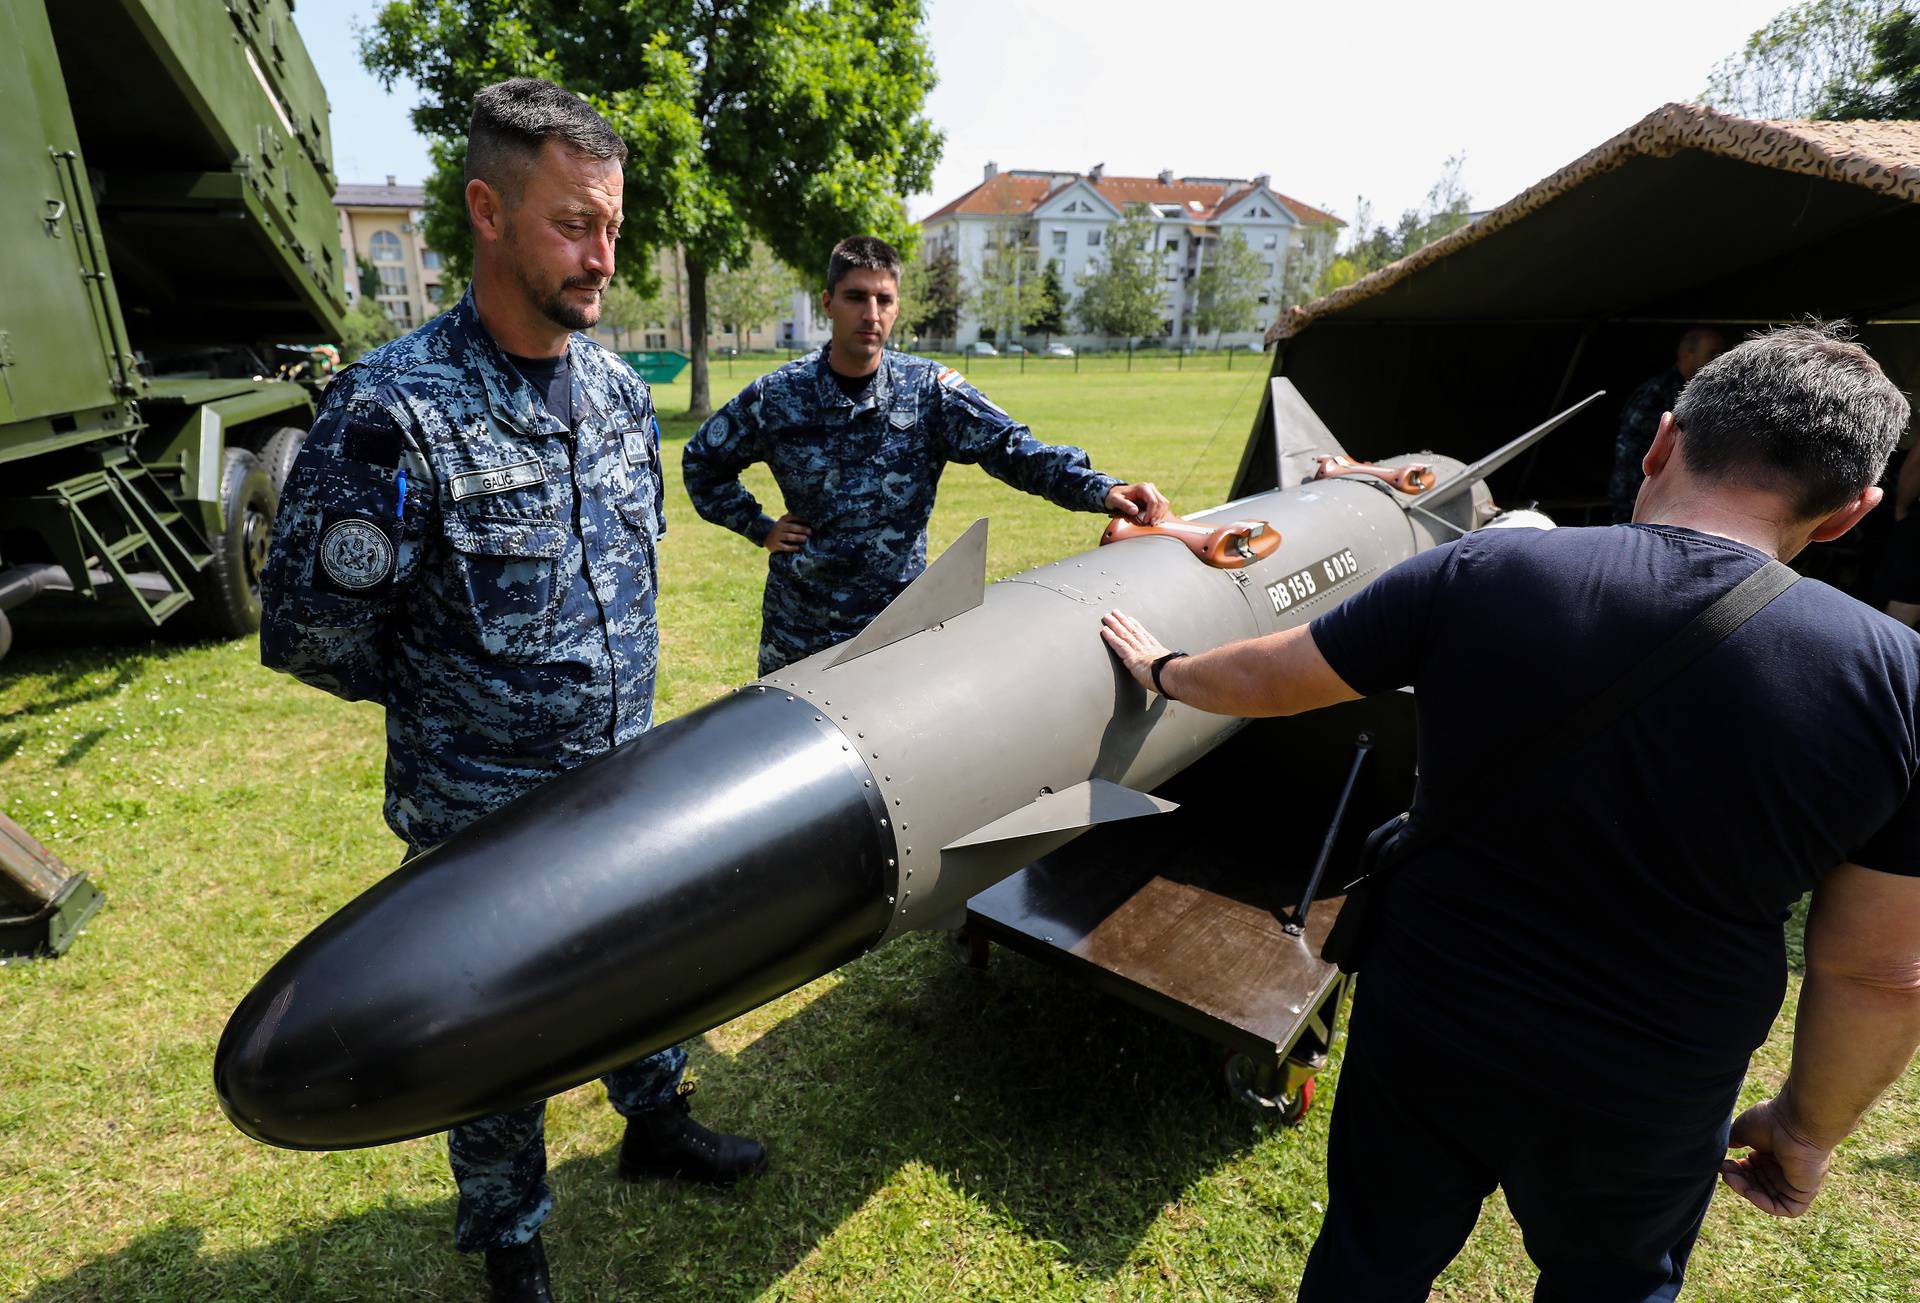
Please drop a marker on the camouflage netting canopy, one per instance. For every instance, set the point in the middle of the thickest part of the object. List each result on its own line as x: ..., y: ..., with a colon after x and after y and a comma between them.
x: 1586, y: 281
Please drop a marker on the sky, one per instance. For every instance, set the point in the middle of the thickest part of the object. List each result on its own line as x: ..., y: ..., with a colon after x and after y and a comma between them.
x: 1335, y: 101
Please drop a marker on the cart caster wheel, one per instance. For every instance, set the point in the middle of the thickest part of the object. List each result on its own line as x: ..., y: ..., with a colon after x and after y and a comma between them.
x: 1297, y: 1108
x: 970, y: 948
x: 1257, y: 1089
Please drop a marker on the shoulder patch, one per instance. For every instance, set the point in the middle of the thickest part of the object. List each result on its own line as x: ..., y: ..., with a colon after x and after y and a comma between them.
x: 948, y: 376
x: 369, y: 435
x: 356, y: 556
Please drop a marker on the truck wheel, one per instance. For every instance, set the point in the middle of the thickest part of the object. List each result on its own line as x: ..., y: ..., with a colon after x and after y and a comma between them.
x: 6, y: 635
x: 228, y: 591
x: 277, y: 454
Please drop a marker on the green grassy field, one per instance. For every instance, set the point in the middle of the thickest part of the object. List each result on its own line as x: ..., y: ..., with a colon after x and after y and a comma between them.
x: 937, y: 1133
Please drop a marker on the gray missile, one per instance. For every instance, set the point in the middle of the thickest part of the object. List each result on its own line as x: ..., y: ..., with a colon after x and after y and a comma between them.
x: 742, y: 850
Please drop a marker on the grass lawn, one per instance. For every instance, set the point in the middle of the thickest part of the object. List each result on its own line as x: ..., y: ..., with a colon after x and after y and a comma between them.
x: 937, y: 1133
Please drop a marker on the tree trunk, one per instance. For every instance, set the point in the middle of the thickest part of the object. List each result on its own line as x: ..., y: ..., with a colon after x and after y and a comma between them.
x: 700, y: 404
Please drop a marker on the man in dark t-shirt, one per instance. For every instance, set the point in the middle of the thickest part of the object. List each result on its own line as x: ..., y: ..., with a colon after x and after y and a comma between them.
x: 1563, y: 989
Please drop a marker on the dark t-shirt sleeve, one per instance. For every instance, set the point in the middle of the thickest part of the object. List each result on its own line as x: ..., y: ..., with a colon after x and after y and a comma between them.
x: 1375, y: 639
x: 1896, y: 847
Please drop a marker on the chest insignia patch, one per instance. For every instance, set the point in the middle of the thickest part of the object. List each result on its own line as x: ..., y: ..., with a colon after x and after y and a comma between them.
x: 356, y: 554
x: 902, y: 418
x: 475, y: 484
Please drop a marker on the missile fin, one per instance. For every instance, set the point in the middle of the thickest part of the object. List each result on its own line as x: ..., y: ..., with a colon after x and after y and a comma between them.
x: 1500, y: 456
x: 1300, y: 437
x: 955, y: 583
x: 1073, y: 809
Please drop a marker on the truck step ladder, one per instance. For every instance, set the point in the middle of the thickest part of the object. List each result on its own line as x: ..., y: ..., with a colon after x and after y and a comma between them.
x: 125, y: 537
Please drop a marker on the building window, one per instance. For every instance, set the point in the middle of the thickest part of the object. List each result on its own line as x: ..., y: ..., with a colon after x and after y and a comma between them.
x: 656, y: 339
x: 1265, y: 299
x: 431, y: 260
x: 435, y: 293
x: 1166, y: 327
x: 1269, y: 267
x: 393, y: 280
x: 1173, y: 246
x: 1093, y: 239
x: 384, y: 246
x: 1273, y: 242
x: 1059, y: 239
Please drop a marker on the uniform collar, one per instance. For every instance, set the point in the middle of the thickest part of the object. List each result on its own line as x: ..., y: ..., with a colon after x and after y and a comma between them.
x: 879, y: 395
x: 509, y: 396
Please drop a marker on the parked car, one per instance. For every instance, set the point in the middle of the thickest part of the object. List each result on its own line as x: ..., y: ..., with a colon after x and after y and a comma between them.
x: 1059, y: 350
x: 1016, y: 350
x: 980, y: 348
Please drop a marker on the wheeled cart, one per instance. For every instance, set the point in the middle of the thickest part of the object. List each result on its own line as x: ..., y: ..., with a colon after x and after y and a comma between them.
x: 1204, y: 916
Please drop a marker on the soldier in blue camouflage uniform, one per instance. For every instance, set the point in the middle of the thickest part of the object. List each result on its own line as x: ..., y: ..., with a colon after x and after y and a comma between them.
x: 1640, y: 415
x: 468, y: 537
x: 857, y: 437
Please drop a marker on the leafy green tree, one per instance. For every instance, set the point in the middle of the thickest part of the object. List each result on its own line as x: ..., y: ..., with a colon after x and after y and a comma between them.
x: 1309, y: 256
x: 753, y: 294
x: 369, y: 278
x: 1891, y: 86
x: 1050, y: 314
x: 624, y: 309
x: 1373, y: 246
x: 1809, y: 56
x: 1007, y: 287
x: 366, y: 328
x: 1121, y: 294
x: 1227, y: 290
x: 796, y: 121
x: 930, y: 297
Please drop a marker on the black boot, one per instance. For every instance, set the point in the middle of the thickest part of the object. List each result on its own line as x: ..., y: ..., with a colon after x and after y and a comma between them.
x: 667, y: 1142
x: 519, y: 1274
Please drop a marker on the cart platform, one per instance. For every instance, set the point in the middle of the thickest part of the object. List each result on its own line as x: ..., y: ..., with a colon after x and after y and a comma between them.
x: 1185, y: 915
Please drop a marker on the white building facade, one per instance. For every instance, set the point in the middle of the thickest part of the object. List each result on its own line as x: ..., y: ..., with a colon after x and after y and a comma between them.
x: 1063, y: 218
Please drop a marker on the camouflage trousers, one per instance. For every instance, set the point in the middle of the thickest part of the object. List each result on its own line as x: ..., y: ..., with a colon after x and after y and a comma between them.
x: 500, y: 1162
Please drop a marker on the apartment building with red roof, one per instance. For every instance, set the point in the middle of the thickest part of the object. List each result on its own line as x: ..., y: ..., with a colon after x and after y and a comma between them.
x: 1064, y: 217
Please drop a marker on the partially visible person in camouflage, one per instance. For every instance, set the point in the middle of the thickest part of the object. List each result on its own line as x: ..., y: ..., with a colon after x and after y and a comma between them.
x: 1640, y: 417
x: 857, y: 437
x: 468, y: 538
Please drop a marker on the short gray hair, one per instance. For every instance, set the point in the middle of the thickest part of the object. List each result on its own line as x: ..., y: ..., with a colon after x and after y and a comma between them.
x: 1801, y: 406
x: 513, y: 119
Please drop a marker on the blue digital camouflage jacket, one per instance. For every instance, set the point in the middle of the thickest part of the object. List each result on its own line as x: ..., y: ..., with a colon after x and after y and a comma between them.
x: 862, y: 477
x: 446, y: 548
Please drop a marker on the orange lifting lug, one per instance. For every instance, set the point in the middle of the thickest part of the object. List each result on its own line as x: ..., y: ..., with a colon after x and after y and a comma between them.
x: 1412, y: 480
x: 1224, y: 547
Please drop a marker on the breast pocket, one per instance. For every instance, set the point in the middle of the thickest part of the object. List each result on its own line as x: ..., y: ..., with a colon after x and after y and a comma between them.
x: 510, y: 582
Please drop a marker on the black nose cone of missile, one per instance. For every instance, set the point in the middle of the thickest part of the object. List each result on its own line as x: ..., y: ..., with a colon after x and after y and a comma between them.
x: 704, y: 868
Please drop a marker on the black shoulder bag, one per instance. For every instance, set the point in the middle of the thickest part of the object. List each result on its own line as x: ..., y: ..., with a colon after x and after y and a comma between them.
x: 1389, y: 846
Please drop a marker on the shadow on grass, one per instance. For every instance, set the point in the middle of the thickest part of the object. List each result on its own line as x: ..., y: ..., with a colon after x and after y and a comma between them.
x: 1904, y: 1164
x: 1072, y: 1117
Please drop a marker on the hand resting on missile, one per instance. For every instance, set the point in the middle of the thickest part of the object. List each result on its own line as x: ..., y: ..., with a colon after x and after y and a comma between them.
x: 1141, y: 503
x: 1280, y: 674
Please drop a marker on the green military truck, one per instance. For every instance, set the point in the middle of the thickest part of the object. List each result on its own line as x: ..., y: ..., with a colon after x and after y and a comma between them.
x: 171, y: 256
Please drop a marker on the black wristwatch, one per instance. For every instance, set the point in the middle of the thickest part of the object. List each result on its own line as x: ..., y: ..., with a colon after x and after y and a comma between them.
x: 1160, y: 663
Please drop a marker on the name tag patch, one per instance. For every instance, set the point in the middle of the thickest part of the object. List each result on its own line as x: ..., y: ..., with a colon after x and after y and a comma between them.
x: 501, y: 479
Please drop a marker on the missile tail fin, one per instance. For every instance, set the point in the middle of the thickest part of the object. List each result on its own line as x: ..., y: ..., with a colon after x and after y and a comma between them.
x: 1500, y: 456
x: 1073, y: 809
x: 956, y: 582
x: 1300, y: 437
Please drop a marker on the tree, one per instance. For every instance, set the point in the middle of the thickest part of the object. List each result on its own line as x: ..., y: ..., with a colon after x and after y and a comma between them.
x: 1007, y: 286
x: 1891, y: 88
x: 366, y: 327
x: 624, y: 309
x: 1050, y: 314
x: 753, y: 294
x: 369, y: 279
x: 796, y: 121
x: 1373, y: 246
x: 1227, y: 290
x: 1309, y: 256
x: 1122, y: 295
x: 1811, y: 55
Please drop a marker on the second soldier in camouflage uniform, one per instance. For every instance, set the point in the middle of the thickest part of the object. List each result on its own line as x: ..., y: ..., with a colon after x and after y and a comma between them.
x: 856, y: 438
x: 469, y: 538
x: 1640, y: 415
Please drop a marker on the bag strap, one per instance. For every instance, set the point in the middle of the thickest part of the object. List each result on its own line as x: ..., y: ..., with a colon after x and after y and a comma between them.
x: 1728, y: 612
